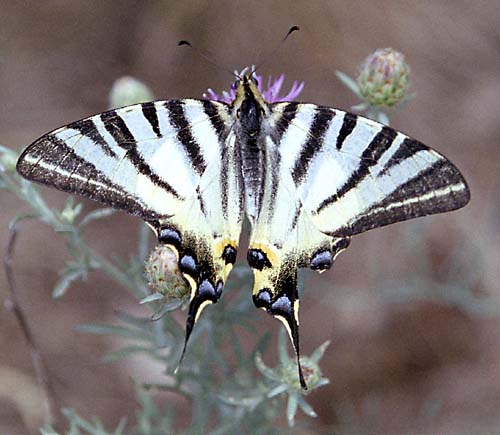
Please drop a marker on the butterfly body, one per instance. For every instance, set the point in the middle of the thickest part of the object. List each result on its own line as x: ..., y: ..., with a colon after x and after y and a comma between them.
x: 307, y: 177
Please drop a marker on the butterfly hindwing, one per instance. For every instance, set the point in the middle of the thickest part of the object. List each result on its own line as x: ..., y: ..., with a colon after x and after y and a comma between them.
x: 169, y: 162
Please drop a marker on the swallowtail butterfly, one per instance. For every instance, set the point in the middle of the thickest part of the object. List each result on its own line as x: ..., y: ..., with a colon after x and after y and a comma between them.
x: 307, y: 177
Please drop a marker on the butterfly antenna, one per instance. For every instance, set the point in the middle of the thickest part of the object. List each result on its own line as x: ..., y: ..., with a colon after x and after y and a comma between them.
x: 207, y: 56
x: 278, y: 46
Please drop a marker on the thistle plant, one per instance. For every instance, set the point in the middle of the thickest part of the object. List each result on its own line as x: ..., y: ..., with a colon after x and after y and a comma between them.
x: 382, y: 84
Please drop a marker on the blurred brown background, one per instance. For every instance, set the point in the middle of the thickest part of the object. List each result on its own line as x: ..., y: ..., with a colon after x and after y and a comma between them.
x: 401, y: 361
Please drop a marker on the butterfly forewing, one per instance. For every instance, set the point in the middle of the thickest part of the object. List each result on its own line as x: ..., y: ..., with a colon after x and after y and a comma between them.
x: 146, y: 159
x: 353, y: 174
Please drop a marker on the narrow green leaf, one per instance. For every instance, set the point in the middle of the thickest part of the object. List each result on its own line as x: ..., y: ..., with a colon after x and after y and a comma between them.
x: 121, y: 426
x: 291, y: 409
x: 103, y: 329
x: 282, y: 347
x: 100, y: 213
x: 383, y: 118
x: 65, y: 281
x: 143, y: 249
x: 277, y: 390
x: 348, y: 82
x: 306, y: 407
x: 151, y: 298
x: 319, y: 352
x: 265, y: 370
x: 124, y: 352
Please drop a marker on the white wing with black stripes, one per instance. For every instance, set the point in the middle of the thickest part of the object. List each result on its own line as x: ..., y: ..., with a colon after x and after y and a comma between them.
x: 169, y: 162
x: 308, y: 178
x: 353, y: 174
x: 328, y: 176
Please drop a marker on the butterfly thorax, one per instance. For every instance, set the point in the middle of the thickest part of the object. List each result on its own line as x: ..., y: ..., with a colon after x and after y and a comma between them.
x: 251, y: 110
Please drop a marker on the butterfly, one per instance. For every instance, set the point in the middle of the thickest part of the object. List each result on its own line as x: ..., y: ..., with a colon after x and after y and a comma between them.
x: 307, y: 177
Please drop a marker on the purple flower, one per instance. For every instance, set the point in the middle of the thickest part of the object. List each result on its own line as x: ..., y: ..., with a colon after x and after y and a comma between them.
x: 270, y: 93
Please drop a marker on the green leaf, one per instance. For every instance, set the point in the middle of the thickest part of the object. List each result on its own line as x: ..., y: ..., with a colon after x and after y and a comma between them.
x: 282, y: 347
x: 306, y: 407
x: 121, y: 427
x: 348, y: 82
x: 170, y: 306
x: 291, y: 409
x: 66, y: 280
x: 277, y: 390
x: 265, y: 370
x: 383, y: 118
x: 104, y: 329
x: 100, y: 213
x: 143, y: 248
x: 125, y: 352
x: 319, y: 352
x: 359, y: 107
x: 151, y: 298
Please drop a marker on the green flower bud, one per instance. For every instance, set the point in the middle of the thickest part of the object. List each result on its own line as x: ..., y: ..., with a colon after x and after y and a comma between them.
x: 384, y: 78
x: 163, y: 276
x: 128, y: 90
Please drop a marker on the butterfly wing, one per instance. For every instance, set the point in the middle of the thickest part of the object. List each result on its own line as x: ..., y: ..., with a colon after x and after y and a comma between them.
x: 353, y: 174
x: 331, y: 175
x: 169, y: 162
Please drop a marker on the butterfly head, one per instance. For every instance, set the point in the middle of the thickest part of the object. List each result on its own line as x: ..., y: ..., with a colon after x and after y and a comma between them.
x: 249, y: 106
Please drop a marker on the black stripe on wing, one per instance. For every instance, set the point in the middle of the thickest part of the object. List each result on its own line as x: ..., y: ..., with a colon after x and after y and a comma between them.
x: 87, y: 127
x: 285, y: 119
x: 287, y: 116
x: 348, y: 124
x: 419, y: 196
x: 215, y: 119
x: 370, y: 156
x: 408, y: 148
x: 59, y: 166
x: 317, y: 131
x: 117, y: 127
x: 151, y: 115
x: 185, y: 136
x: 222, y: 131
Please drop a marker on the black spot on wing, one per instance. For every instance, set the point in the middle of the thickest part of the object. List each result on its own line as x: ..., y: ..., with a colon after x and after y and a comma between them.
x: 201, y: 201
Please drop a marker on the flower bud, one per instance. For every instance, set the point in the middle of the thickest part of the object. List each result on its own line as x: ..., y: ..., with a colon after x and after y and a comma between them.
x: 128, y: 90
x: 163, y: 276
x: 384, y: 78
